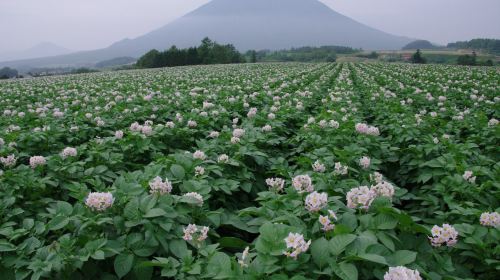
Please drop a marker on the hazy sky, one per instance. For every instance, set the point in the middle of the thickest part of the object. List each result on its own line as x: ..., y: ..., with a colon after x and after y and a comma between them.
x: 90, y: 24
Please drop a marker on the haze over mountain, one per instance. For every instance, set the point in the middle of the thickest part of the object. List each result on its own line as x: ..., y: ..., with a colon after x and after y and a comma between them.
x: 43, y: 49
x: 248, y: 24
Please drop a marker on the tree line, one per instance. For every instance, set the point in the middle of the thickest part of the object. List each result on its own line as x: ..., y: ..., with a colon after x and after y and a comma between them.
x: 486, y: 45
x: 7, y: 73
x: 302, y: 54
x: 208, y: 52
x: 467, y: 59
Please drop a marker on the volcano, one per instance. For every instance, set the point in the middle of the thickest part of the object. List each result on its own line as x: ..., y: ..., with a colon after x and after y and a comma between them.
x: 247, y: 24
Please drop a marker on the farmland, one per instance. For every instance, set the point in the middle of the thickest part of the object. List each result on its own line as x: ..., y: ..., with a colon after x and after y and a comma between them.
x: 252, y: 171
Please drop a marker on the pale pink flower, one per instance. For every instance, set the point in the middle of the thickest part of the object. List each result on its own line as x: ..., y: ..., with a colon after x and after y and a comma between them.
x: 318, y: 167
x: 275, y: 184
x: 37, y: 161
x: 158, y: 186
x: 364, y: 162
x: 196, y: 196
x: 402, y: 273
x: 98, y: 201
x: 8, y: 161
x: 296, y: 244
x: 302, y: 183
x: 443, y: 235
x: 199, y: 155
x: 361, y: 197
x: 490, y: 219
x: 316, y: 201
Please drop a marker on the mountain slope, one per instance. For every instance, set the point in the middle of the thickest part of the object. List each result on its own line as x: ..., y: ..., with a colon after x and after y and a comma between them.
x: 41, y: 50
x: 248, y: 24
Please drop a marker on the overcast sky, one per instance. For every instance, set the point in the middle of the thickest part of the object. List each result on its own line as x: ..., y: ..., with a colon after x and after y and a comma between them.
x: 91, y: 24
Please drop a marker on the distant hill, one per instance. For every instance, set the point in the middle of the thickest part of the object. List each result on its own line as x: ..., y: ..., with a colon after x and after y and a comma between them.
x: 420, y: 44
x: 41, y: 50
x: 486, y: 45
x: 117, y: 61
x: 248, y: 24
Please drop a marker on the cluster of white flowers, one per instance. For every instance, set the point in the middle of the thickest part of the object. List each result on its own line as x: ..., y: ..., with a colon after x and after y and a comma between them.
x: 37, y: 161
x: 196, y: 196
x: 145, y: 129
x: 223, y: 158
x: 443, y: 235
x: 363, y: 128
x: 242, y: 261
x: 158, y: 186
x: 235, y: 140
x: 493, y: 122
x: 296, y: 244
x: 8, y: 161
x: 199, y: 155
x: 340, y: 169
x: 195, y: 233
x: 214, y: 134
x: 468, y: 177
x: 316, y: 201
x: 302, y: 183
x: 326, y: 222
x: 170, y: 124
x: 361, y: 197
x: 267, y: 128
x: 192, y: 124
x: 364, y: 162
x: 318, y: 167
x: 383, y: 188
x: 68, y: 152
x: 490, y: 219
x: 99, y: 201
x: 275, y: 184
x: 238, y: 132
x: 118, y: 134
x: 402, y: 273
x: 252, y: 112
x: 199, y: 171
x: 334, y: 124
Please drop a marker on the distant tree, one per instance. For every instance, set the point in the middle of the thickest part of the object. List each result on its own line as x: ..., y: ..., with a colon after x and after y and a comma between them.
x: 253, y: 56
x: 192, y: 56
x: 419, y: 44
x: 373, y: 55
x: 467, y: 59
x: 7, y: 73
x: 151, y: 59
x: 83, y: 70
x: 488, y: 62
x: 209, y: 52
x: 417, y: 58
x: 331, y: 58
x: 486, y: 45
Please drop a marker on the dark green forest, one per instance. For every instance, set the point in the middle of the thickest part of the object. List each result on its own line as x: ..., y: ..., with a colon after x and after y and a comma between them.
x: 303, y: 54
x: 208, y: 52
x: 487, y: 45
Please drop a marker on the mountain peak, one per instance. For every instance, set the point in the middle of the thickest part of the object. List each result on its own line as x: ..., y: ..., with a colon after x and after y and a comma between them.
x: 261, y: 7
x: 247, y: 24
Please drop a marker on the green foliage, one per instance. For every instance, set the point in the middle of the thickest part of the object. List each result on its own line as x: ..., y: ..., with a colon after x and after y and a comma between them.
x: 434, y: 123
x: 417, y: 58
x: 7, y: 73
x: 419, y: 44
x: 467, y: 59
x: 487, y: 45
x: 208, y: 52
x: 306, y: 54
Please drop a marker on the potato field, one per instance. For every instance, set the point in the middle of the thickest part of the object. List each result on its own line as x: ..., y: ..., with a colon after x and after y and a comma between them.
x: 252, y: 171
